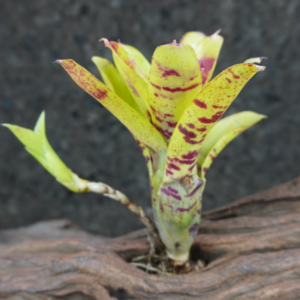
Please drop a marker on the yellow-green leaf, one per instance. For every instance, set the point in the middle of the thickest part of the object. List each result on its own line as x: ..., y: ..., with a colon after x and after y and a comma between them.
x: 192, y: 38
x: 174, y: 81
x: 139, y: 61
x: 221, y: 134
x: 31, y: 141
x: 135, y: 83
x: 207, y: 52
x: 37, y: 145
x: 114, y: 81
x: 137, y: 124
x: 201, y: 115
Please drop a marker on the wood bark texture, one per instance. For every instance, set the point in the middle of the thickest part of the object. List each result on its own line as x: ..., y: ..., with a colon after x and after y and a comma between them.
x: 251, y: 248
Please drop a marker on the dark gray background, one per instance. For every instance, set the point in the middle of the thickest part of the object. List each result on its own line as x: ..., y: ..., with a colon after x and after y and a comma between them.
x: 94, y: 144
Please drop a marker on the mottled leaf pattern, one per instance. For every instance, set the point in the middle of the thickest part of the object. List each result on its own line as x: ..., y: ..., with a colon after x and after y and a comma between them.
x: 207, y: 52
x: 136, y: 123
x: 114, y: 81
x: 173, y: 83
x: 138, y: 60
x: 135, y: 83
x: 221, y: 134
x: 200, y: 116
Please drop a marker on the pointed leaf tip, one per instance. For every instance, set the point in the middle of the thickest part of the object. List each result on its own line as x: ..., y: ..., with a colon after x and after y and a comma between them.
x: 58, y: 61
x: 105, y: 41
x: 260, y: 68
x: 217, y: 32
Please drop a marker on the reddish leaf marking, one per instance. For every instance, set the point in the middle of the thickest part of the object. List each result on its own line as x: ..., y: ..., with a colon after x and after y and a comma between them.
x: 234, y: 76
x: 206, y: 63
x: 154, y: 200
x: 153, y: 109
x: 169, y: 193
x: 163, y: 96
x: 166, y: 133
x: 213, y: 119
x: 156, y: 95
x: 100, y: 94
x: 166, y: 72
x: 156, y: 86
x: 158, y: 119
x: 171, y: 124
x: 190, y: 125
x: 193, y: 228
x: 200, y: 183
x: 173, y: 166
x: 188, y: 134
x: 161, y: 207
x: 229, y: 81
x: 199, y: 211
x: 202, y: 129
x: 182, y: 161
x: 181, y: 209
x: 194, y: 142
x: 200, y: 103
x: 205, y: 170
x: 115, y: 47
x: 134, y: 89
x: 147, y: 158
x: 190, y: 155
x: 170, y: 73
x: 142, y: 148
x: 179, y: 89
x: 168, y: 115
x: 168, y: 172
x: 172, y: 190
x: 192, y: 167
x: 149, y: 116
x: 192, y: 78
x: 212, y: 157
x: 219, y: 106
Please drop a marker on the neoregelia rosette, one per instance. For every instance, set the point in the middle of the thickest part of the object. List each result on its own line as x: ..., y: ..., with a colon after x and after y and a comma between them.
x: 172, y: 108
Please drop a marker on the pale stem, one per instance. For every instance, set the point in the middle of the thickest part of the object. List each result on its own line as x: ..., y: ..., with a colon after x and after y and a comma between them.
x: 106, y: 190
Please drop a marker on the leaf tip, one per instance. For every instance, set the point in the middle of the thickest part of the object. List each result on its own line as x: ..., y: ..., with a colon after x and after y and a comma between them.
x: 58, y: 61
x: 259, y: 68
x: 105, y: 41
x: 217, y: 32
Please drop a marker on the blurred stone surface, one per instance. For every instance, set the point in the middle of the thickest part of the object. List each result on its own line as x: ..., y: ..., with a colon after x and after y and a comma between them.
x: 94, y: 143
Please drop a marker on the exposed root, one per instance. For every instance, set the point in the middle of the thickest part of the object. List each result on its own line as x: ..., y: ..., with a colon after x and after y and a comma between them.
x: 156, y: 262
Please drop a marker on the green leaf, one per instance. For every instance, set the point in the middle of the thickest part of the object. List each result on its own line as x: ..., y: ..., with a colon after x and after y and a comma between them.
x: 136, y: 123
x: 221, y: 134
x: 37, y: 145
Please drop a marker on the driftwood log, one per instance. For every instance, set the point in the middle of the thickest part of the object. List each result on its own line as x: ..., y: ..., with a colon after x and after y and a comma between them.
x: 251, y: 248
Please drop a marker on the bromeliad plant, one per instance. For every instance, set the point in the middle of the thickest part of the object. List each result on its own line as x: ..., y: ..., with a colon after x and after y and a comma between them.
x: 172, y: 108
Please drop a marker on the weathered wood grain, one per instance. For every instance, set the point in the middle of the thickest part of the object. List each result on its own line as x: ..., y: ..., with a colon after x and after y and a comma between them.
x: 251, y: 247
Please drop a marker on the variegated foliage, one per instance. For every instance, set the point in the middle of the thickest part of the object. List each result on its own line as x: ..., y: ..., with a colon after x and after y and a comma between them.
x: 172, y: 108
